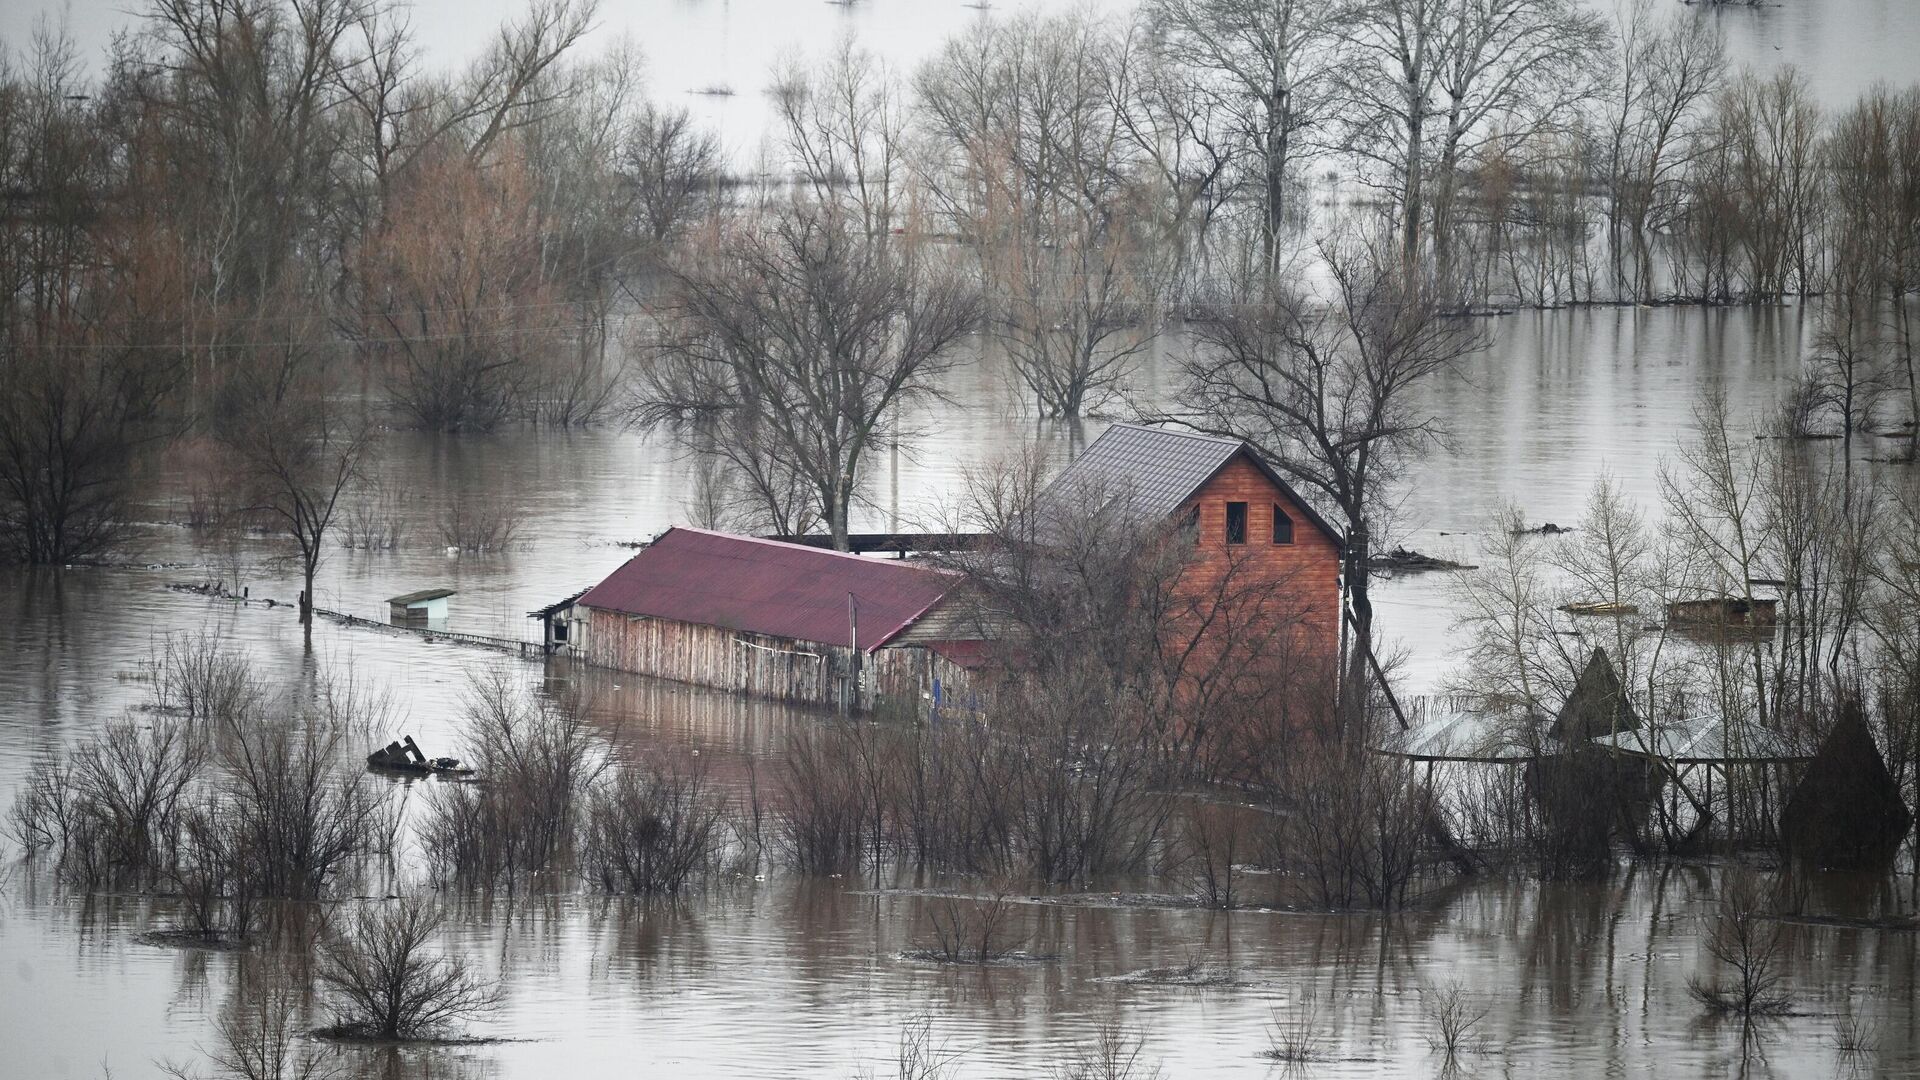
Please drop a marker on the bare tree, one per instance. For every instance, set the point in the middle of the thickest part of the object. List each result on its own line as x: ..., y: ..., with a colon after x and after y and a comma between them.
x: 1271, y: 66
x: 1512, y: 655
x: 841, y: 129
x: 1666, y: 70
x: 1435, y: 82
x: 674, y: 168
x: 1752, y: 208
x: 1035, y: 161
x: 1327, y: 389
x: 296, y: 449
x: 794, y: 346
x: 1848, y: 374
x: 1714, y: 494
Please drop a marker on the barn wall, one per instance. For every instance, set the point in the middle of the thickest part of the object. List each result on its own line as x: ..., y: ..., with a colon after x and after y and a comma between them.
x: 777, y: 668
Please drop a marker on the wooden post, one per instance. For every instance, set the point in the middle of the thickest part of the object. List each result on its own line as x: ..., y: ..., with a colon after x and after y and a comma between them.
x: 853, y: 647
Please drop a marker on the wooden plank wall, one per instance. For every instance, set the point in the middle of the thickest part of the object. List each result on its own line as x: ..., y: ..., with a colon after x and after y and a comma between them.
x: 777, y: 668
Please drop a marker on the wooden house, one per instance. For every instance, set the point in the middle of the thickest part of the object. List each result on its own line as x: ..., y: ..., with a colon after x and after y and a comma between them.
x: 771, y: 619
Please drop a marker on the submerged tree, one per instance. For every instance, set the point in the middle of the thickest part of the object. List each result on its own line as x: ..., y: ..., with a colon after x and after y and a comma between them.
x: 1271, y: 66
x: 456, y: 309
x: 1327, y: 388
x: 295, y: 449
x: 793, y: 346
x: 1035, y: 158
x: 92, y: 354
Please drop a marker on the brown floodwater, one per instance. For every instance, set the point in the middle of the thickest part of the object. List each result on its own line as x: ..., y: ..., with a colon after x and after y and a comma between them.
x: 813, y: 977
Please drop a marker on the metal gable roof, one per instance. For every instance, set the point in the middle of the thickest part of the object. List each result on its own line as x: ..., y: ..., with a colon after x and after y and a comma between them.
x: 1156, y: 469
x: 767, y: 587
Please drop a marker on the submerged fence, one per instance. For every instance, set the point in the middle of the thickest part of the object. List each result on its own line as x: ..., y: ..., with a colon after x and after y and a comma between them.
x: 532, y: 649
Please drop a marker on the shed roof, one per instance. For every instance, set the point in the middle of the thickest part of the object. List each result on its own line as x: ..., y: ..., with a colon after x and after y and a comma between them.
x: 1158, y: 468
x: 420, y: 596
x: 1472, y: 736
x: 767, y: 587
x: 1704, y: 740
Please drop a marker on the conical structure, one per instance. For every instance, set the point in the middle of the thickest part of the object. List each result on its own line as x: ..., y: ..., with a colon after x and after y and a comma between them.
x: 1598, y: 705
x: 1846, y: 812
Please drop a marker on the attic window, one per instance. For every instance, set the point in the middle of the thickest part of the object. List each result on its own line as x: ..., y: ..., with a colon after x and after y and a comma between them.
x: 1282, y: 526
x: 1236, y: 523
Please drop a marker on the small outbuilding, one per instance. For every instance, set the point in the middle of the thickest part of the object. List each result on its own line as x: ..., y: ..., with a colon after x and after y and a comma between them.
x: 425, y: 609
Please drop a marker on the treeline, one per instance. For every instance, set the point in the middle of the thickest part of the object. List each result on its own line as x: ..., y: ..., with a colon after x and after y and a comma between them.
x: 266, y: 218
x: 263, y: 216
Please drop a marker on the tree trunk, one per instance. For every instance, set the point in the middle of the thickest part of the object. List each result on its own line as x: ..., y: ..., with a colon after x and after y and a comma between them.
x: 1276, y: 151
x: 1411, y: 207
x: 1353, y: 696
x: 309, y: 564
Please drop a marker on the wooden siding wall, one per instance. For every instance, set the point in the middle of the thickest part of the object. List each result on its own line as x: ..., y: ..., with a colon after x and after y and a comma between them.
x: 781, y: 669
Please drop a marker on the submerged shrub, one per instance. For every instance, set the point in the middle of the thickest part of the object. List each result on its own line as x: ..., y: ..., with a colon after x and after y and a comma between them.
x: 651, y: 832
x: 219, y: 794
x: 115, y: 808
x: 1748, y: 947
x: 967, y: 930
x: 1356, y: 834
x: 836, y: 806
x: 382, y: 980
x: 538, y: 758
x: 300, y: 808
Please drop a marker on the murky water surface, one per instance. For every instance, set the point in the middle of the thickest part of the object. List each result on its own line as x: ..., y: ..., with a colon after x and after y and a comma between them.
x: 792, y: 977
x: 807, y: 977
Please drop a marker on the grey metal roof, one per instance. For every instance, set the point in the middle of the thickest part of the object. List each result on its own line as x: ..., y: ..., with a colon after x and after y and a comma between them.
x: 1155, y: 469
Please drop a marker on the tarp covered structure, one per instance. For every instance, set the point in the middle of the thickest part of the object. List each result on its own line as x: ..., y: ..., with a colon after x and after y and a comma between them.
x: 1846, y: 812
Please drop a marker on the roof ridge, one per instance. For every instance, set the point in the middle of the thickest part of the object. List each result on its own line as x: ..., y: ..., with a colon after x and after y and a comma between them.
x: 785, y: 546
x: 1162, y: 430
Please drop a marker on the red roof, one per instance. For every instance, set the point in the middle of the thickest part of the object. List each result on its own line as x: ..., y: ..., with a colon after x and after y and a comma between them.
x: 767, y: 587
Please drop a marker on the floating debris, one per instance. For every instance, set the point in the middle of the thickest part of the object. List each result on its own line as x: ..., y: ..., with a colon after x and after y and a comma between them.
x: 1600, y: 608
x: 406, y: 756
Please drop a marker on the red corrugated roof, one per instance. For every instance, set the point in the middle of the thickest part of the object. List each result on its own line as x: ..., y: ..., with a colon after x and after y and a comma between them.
x: 767, y: 587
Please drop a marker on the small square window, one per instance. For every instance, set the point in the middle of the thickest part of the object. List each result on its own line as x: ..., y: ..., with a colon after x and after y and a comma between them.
x: 1236, y: 523
x: 1282, y: 526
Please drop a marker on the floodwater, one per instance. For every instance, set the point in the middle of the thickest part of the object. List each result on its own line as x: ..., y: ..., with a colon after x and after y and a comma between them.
x: 797, y: 977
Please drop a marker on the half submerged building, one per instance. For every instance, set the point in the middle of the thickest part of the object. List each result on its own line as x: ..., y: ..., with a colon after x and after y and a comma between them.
x: 774, y: 620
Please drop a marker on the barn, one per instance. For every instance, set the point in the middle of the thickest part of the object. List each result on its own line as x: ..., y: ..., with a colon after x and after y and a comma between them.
x: 1246, y: 519
x: 774, y: 620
